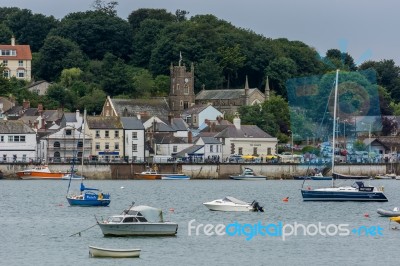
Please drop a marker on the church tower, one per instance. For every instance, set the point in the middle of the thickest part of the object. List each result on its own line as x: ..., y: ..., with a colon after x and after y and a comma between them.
x: 181, y: 94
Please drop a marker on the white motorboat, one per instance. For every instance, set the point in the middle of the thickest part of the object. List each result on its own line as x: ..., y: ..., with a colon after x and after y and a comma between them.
x: 231, y: 204
x: 248, y: 174
x: 138, y: 221
x: 113, y: 253
x: 386, y: 176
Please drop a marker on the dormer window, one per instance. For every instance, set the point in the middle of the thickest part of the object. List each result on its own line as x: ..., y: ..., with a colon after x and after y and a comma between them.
x: 8, y: 52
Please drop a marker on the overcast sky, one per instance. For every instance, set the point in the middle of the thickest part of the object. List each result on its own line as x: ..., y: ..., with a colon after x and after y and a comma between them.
x: 366, y: 30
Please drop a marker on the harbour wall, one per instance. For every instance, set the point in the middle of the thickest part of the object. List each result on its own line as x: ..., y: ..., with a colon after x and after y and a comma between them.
x: 203, y: 171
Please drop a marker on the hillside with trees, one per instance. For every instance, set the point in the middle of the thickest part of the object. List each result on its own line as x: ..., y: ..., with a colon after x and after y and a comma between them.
x: 88, y: 55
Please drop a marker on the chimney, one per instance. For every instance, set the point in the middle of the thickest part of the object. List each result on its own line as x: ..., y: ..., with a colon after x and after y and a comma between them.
x: 190, y: 137
x: 236, y: 121
x: 78, y: 115
x: 170, y: 116
x: 26, y: 104
x: 40, y: 108
x: 13, y: 40
x: 267, y: 90
x: 138, y: 116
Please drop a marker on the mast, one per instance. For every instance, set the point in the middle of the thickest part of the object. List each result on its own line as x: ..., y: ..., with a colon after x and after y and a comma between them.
x: 334, y: 123
x: 83, y: 142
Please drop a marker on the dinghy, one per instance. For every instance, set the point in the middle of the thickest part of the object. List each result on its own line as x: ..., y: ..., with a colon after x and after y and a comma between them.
x: 113, y: 253
x: 387, y: 213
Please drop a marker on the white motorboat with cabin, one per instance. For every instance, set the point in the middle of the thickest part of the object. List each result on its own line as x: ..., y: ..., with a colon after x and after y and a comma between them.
x: 231, y: 204
x: 138, y: 221
x: 248, y: 174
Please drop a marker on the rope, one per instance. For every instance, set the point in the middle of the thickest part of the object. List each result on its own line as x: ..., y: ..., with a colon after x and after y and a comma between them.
x: 79, y: 233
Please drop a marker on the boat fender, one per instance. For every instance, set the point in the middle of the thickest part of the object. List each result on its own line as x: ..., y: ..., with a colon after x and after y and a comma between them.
x: 309, y: 188
x: 382, y: 189
x: 100, y: 197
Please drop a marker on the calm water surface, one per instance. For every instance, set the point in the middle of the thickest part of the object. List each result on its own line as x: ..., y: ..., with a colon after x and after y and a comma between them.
x: 37, y: 222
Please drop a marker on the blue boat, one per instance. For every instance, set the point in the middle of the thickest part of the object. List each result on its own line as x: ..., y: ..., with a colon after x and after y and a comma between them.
x: 357, y: 192
x: 174, y: 177
x: 87, y: 197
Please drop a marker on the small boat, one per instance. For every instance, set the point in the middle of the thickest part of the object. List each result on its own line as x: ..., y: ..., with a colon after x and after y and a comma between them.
x: 395, y: 212
x: 113, y: 253
x: 231, y: 204
x: 152, y: 173
x: 138, y: 221
x: 343, y: 176
x: 385, y: 176
x: 357, y: 192
x: 395, y: 219
x: 40, y: 172
x: 248, y: 174
x: 175, y: 177
x: 89, y: 197
x: 72, y: 176
x: 319, y: 176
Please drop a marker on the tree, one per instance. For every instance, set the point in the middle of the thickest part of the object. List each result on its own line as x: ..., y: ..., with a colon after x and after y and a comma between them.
x: 161, y: 86
x: 108, y: 8
x: 280, y: 70
x: 181, y: 15
x: 389, y: 126
x: 56, y: 54
x: 60, y: 94
x: 93, y: 102
x: 68, y: 76
x: 144, y: 83
x: 231, y: 60
x: 138, y: 16
x: 97, y: 33
x: 208, y: 73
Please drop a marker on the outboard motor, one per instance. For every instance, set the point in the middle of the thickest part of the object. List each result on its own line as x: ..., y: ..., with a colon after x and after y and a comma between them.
x: 257, y: 207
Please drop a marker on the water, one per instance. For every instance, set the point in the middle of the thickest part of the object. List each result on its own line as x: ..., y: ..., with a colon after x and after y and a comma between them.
x: 37, y: 222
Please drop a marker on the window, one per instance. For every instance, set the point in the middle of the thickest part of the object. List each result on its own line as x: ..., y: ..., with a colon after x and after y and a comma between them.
x: 116, y: 146
x: 134, y: 147
x: 4, y: 157
x: 6, y: 73
x: 5, y: 62
x: 16, y: 138
x: 80, y: 144
x: 56, y: 144
x: 269, y: 151
x: 211, y: 148
x: 20, y: 73
x: 9, y: 52
x: 97, y: 145
x: 57, y: 156
x: 107, y: 134
x: 240, y: 151
x: 24, y: 157
x: 20, y: 63
x: 255, y: 151
x: 134, y: 135
x: 194, y: 118
x: 97, y: 133
x: 107, y: 146
x: 186, y: 90
x: 68, y: 132
x: 116, y: 134
x: 181, y: 103
x: 1, y: 138
x: 174, y: 148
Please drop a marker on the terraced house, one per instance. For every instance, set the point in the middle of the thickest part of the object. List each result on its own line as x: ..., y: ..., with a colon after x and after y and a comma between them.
x: 16, y: 60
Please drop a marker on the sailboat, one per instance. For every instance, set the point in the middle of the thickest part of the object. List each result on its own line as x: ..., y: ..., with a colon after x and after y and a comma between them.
x: 357, y: 192
x: 87, y: 196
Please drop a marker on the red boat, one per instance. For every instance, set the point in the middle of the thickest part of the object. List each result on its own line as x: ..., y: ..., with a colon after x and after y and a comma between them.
x: 40, y: 172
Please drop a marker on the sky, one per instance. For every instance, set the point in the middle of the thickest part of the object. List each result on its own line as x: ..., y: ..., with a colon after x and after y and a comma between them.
x: 365, y: 30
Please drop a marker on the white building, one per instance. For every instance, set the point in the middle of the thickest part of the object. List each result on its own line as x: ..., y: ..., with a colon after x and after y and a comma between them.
x: 17, y: 142
x: 134, y: 134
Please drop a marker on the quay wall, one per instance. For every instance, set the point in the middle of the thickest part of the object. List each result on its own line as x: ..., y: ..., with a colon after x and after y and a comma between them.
x: 203, y: 171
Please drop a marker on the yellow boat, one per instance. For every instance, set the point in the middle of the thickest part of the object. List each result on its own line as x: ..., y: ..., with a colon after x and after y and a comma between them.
x: 395, y: 219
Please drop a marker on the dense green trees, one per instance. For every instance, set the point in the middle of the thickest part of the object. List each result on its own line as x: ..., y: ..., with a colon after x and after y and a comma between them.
x: 88, y: 55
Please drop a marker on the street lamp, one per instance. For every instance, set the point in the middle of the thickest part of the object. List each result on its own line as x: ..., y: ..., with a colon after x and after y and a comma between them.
x: 292, y: 142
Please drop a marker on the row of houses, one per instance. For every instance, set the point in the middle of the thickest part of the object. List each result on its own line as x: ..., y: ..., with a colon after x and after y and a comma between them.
x: 127, y: 132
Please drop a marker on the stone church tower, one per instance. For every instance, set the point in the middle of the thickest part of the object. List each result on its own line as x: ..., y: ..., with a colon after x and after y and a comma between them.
x: 181, y: 94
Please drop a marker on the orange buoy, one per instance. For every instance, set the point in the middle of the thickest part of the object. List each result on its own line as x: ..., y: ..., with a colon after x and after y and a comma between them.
x: 286, y: 199
x: 366, y: 215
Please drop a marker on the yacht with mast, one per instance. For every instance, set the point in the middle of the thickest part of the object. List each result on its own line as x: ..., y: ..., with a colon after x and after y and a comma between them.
x: 357, y: 192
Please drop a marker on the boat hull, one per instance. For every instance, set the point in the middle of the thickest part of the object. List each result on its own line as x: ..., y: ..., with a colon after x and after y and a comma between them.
x: 41, y: 176
x: 113, y: 253
x: 225, y: 208
x: 342, y: 176
x: 88, y: 202
x: 139, y: 229
x: 249, y: 178
x: 387, y: 213
x: 175, y: 177
x: 318, y: 195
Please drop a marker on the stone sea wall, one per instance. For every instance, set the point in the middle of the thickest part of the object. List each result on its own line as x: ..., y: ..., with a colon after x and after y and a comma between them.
x: 202, y: 171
